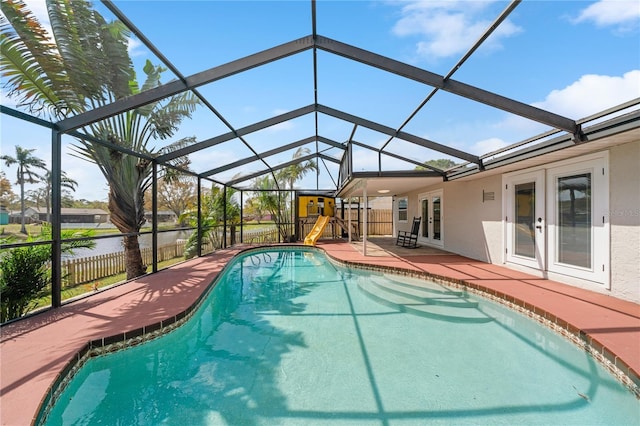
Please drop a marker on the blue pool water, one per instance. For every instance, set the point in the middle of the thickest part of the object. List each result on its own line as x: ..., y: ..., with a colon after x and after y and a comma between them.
x: 287, y: 337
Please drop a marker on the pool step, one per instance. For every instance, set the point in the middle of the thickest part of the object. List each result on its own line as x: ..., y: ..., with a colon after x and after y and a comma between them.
x: 424, y: 295
x: 425, y: 285
x: 417, y: 302
x: 453, y: 299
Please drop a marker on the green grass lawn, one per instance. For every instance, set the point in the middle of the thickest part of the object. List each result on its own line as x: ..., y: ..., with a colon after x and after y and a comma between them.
x: 13, y: 229
x: 69, y: 292
x: 93, y: 286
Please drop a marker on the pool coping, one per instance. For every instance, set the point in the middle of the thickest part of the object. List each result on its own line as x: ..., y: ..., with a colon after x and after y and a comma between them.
x: 606, y: 357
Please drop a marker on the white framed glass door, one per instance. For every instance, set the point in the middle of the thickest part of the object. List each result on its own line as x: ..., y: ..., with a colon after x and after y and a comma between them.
x: 556, y: 219
x: 578, y: 225
x: 431, y: 227
x: 525, y: 219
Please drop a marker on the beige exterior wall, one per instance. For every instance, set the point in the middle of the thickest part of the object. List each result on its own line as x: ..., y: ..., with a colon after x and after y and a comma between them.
x: 471, y: 227
x: 475, y: 229
x: 624, y: 216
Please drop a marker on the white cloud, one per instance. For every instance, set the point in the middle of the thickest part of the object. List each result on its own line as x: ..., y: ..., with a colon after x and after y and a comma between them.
x: 449, y: 27
x: 366, y: 160
x: 280, y: 127
x: 591, y: 94
x: 588, y: 95
x: 136, y: 48
x: 486, y: 146
x: 623, y: 14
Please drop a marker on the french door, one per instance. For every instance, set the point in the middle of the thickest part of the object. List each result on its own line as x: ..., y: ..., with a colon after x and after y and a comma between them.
x: 578, y: 220
x: 557, y: 219
x: 525, y: 218
x: 431, y: 227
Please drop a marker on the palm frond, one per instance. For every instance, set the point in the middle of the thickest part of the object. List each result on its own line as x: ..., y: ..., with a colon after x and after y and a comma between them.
x: 118, y: 73
x: 74, y: 29
x: 29, y: 60
x: 165, y: 120
x: 181, y: 162
x: 153, y: 74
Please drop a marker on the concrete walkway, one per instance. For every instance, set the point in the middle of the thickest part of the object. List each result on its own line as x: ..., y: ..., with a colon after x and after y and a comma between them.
x: 36, y: 350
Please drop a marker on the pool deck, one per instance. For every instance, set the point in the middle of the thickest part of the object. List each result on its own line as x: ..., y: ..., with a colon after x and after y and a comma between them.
x: 34, y: 351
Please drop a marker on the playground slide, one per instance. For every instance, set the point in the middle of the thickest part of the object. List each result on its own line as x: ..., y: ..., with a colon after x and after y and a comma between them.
x: 316, y: 232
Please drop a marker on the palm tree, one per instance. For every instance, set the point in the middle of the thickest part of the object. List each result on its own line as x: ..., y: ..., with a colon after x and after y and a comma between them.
x: 26, y: 163
x: 267, y: 199
x: 86, y: 65
x: 286, y: 179
x: 65, y: 182
x: 289, y: 175
x: 213, y: 207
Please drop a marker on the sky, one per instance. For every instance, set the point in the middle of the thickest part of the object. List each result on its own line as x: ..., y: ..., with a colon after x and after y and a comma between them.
x: 573, y: 58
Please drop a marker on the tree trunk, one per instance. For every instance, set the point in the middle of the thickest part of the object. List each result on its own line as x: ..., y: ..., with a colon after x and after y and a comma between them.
x: 133, y: 257
x: 127, y: 214
x: 232, y: 232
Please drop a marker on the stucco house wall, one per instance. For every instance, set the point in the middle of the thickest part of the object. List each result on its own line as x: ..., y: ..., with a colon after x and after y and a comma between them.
x: 471, y: 227
x: 474, y: 228
x: 624, y: 216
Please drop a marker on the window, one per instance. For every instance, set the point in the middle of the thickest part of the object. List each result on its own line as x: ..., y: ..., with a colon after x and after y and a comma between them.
x: 425, y: 215
x: 402, y: 209
x: 574, y: 226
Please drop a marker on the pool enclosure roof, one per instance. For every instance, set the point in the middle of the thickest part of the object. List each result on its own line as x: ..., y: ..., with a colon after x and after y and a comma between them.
x: 307, y: 80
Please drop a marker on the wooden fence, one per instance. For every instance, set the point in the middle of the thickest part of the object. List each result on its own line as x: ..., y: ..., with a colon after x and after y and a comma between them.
x: 379, y: 222
x: 260, y: 236
x: 93, y: 268
x: 86, y: 269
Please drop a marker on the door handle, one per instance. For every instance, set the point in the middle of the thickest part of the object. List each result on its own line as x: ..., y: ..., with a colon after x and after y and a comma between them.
x: 539, y: 225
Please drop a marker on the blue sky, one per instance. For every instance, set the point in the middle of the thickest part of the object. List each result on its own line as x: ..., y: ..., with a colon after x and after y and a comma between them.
x: 573, y: 58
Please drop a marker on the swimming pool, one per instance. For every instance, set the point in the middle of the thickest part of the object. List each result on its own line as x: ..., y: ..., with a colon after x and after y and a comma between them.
x: 288, y: 337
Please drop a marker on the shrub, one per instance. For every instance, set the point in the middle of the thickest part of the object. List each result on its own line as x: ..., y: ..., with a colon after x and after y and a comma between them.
x: 23, y: 278
x: 25, y: 273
